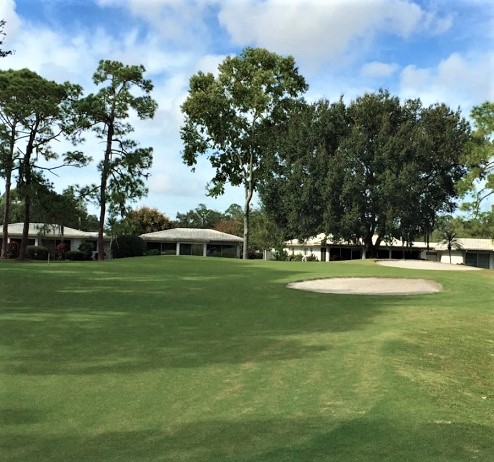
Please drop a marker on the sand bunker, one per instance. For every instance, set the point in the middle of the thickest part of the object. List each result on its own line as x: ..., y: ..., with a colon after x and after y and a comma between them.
x: 369, y: 286
x: 425, y: 265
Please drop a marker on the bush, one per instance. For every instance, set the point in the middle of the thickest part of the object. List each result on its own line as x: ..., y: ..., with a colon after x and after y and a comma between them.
x: 153, y: 252
x: 60, y: 251
x: 87, y: 250
x: 295, y: 257
x: 12, y: 249
x: 34, y: 252
x: 74, y: 255
x: 311, y: 257
x: 128, y: 246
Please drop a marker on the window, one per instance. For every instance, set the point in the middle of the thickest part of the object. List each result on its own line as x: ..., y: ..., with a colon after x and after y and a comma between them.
x: 477, y: 259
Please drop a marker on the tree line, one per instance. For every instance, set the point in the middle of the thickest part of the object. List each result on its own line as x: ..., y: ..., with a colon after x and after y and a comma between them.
x: 374, y: 166
x: 36, y: 112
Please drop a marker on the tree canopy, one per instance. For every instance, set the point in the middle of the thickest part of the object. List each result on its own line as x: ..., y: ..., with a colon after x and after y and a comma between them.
x: 480, y: 157
x: 125, y: 165
x: 376, y: 167
x: 34, y: 112
x: 232, y: 117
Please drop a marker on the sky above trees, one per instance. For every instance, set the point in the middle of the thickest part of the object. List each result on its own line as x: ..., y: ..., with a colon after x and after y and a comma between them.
x: 436, y: 50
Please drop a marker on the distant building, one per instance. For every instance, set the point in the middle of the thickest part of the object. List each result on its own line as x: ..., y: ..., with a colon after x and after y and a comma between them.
x: 472, y: 252
x: 194, y: 241
x: 50, y: 235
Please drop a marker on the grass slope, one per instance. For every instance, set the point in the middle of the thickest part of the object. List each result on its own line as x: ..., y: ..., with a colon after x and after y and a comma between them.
x: 191, y: 359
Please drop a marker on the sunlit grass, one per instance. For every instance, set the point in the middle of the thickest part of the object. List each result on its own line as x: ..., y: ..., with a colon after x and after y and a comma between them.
x: 192, y: 359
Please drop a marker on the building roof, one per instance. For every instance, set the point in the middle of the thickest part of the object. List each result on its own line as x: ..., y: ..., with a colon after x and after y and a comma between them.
x: 469, y: 244
x: 465, y: 243
x: 51, y: 230
x: 191, y: 235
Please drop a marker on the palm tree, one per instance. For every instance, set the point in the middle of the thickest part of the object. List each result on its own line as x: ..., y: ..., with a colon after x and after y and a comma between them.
x: 451, y: 240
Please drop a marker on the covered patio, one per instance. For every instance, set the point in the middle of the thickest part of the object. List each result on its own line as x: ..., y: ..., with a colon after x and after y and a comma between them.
x: 193, y: 241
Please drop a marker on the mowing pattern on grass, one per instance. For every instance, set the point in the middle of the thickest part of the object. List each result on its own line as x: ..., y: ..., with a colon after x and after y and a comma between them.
x: 192, y: 359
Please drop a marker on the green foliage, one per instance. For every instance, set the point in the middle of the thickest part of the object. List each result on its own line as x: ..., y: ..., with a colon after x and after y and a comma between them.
x: 375, y: 167
x: 232, y: 118
x: 75, y: 255
x: 146, y: 220
x: 200, y: 217
x: 12, y: 250
x: 311, y: 257
x: 479, y: 181
x: 34, y: 252
x: 86, y: 249
x: 34, y: 112
x: 128, y: 246
x: 125, y: 165
x: 153, y: 252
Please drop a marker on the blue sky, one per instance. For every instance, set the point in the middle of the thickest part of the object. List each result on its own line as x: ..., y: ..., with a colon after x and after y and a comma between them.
x: 438, y: 50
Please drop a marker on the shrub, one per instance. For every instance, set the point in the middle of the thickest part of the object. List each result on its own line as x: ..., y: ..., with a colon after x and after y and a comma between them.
x: 281, y: 255
x: 128, y: 246
x: 311, y: 257
x: 153, y: 252
x: 87, y: 250
x: 12, y: 249
x: 74, y: 255
x: 295, y: 257
x: 34, y: 252
x: 60, y: 251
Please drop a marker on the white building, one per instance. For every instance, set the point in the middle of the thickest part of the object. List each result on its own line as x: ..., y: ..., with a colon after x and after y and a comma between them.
x: 50, y: 235
x: 194, y: 241
x: 472, y: 252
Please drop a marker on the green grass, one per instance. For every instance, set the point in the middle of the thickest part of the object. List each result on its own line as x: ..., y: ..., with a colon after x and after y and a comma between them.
x: 191, y: 359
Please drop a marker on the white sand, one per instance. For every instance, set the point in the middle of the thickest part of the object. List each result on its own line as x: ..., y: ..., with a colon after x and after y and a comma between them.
x: 383, y: 286
x: 425, y: 265
x: 369, y: 286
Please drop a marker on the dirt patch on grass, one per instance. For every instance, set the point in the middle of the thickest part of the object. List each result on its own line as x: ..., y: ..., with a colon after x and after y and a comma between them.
x: 369, y: 286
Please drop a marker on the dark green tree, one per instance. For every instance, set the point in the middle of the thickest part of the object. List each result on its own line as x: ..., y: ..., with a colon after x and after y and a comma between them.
x: 34, y: 112
x: 125, y: 165
x: 200, y: 217
x: 232, y: 118
x: 479, y: 181
x: 145, y: 220
x: 377, y: 169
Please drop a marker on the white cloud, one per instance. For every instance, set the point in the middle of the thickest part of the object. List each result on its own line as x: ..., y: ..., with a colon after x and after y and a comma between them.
x: 316, y: 31
x: 458, y: 80
x: 12, y: 20
x: 378, y: 69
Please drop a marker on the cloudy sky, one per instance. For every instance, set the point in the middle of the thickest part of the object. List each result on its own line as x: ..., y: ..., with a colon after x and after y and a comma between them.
x: 438, y: 50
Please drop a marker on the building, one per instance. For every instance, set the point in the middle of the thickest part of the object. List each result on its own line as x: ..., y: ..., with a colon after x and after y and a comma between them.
x: 50, y: 235
x: 192, y: 241
x: 472, y: 252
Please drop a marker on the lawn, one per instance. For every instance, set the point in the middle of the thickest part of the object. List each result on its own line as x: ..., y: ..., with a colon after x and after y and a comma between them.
x: 193, y: 359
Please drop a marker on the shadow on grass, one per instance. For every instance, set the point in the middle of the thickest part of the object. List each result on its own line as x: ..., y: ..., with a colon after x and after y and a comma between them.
x: 302, y: 439
x: 197, y: 315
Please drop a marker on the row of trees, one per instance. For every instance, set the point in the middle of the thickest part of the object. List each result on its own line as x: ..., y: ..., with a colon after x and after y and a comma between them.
x: 35, y: 112
x: 376, y: 166
x: 263, y: 232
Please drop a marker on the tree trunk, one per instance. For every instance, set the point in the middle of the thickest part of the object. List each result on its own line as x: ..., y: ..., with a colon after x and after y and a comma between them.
x: 9, y: 167
x: 248, y: 197
x: 26, y: 179
x: 103, y: 186
x: 6, y: 210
